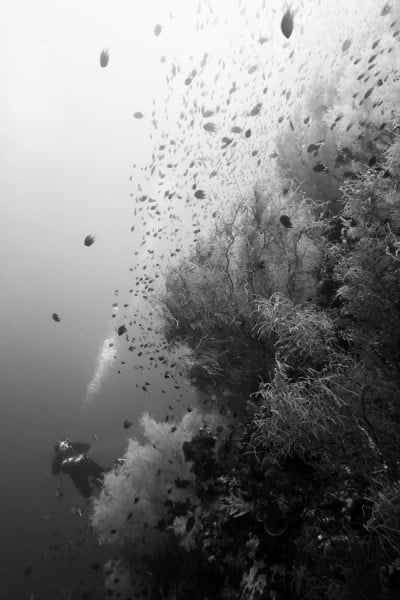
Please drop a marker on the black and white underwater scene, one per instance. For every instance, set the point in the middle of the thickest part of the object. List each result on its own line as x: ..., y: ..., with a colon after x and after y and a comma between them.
x: 200, y: 299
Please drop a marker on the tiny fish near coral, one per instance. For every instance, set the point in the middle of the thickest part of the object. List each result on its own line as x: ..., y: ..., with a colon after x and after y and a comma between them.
x: 286, y: 222
x: 287, y: 23
x: 89, y: 240
x: 104, y: 57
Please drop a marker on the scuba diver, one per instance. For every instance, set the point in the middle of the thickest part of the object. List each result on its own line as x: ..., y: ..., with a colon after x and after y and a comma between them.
x: 71, y: 458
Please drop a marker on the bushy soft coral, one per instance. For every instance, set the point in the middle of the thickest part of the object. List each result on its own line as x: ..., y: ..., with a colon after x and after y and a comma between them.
x: 132, y: 503
x: 140, y: 495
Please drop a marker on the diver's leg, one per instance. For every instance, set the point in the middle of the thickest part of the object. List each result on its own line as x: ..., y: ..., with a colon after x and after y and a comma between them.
x: 93, y: 469
x: 81, y: 481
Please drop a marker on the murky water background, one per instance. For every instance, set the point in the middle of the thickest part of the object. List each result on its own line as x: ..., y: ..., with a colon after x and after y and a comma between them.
x: 68, y: 145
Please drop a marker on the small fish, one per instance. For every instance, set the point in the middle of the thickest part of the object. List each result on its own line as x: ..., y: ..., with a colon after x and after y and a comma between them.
x: 287, y: 23
x: 59, y: 494
x: 256, y: 109
x: 56, y: 317
x: 157, y: 30
x: 210, y: 127
x: 286, y: 222
x: 368, y: 93
x: 127, y: 424
x: 138, y: 115
x: 226, y: 141
x: 104, y: 57
x: 89, y: 240
x: 28, y: 570
x: 346, y: 44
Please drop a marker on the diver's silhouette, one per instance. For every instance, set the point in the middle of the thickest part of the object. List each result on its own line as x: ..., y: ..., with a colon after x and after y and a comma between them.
x: 71, y: 458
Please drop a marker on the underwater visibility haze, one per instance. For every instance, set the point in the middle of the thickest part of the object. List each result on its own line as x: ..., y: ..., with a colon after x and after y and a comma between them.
x: 200, y: 299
